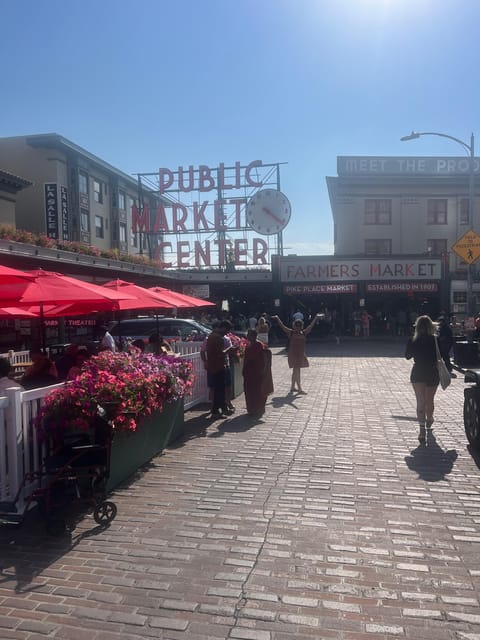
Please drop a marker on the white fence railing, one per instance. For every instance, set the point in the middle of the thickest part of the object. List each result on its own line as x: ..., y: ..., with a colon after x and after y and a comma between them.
x: 20, y: 450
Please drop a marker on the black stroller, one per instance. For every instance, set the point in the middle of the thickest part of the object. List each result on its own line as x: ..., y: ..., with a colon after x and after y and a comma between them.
x: 75, y: 471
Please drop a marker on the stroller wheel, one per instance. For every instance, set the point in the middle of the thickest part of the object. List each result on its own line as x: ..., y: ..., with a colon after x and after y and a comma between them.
x: 104, y: 513
x: 56, y: 526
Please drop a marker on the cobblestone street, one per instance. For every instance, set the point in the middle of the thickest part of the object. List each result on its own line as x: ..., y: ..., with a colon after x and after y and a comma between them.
x: 324, y: 520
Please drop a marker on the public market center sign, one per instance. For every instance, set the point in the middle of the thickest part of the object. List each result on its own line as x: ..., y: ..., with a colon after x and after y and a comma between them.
x: 219, y: 222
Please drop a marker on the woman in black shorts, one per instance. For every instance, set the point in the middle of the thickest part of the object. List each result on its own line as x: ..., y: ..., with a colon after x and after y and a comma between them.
x: 424, y: 375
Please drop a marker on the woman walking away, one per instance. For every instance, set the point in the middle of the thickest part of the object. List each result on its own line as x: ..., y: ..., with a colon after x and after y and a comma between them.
x: 424, y: 375
x: 296, y: 348
x: 257, y: 375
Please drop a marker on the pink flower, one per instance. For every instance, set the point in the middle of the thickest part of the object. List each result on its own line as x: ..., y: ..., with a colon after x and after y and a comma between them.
x: 138, y: 383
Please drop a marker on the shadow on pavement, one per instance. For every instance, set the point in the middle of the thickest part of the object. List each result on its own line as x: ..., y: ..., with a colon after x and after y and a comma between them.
x: 199, y: 426
x: 280, y: 401
x: 430, y: 461
x: 26, y: 550
x: 239, y: 424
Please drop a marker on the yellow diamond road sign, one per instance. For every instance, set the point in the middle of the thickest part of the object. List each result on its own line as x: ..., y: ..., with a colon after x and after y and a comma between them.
x: 468, y: 247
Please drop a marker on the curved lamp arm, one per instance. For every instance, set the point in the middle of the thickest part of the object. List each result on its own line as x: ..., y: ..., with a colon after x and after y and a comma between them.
x: 414, y: 135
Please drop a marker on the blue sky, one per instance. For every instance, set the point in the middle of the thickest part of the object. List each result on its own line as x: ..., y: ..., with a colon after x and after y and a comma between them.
x: 151, y: 83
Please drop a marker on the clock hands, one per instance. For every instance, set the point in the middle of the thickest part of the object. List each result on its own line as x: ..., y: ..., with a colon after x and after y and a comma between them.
x: 272, y: 215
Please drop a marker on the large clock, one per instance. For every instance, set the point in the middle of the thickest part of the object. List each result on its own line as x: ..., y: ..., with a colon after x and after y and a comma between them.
x: 268, y: 211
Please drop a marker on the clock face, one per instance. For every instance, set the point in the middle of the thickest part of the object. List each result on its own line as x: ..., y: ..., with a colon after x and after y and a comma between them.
x: 268, y: 211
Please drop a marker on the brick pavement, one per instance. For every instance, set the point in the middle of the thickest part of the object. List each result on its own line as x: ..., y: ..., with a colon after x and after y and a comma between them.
x: 325, y: 520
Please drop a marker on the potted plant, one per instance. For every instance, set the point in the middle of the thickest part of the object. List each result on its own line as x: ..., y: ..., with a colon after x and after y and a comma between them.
x: 147, y: 393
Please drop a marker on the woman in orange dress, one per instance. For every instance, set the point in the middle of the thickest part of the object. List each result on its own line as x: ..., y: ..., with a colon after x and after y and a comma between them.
x: 297, y: 359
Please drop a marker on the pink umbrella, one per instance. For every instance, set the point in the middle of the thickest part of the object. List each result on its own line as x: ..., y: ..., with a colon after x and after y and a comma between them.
x: 141, y: 298
x: 181, y: 300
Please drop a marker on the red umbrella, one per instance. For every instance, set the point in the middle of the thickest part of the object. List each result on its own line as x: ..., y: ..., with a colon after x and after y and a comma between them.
x: 15, y: 312
x: 181, y: 300
x: 141, y: 298
x: 7, y: 274
x: 48, y: 287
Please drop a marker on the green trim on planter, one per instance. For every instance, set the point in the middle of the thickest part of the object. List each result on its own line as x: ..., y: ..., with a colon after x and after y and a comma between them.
x: 132, y: 449
x: 179, y: 421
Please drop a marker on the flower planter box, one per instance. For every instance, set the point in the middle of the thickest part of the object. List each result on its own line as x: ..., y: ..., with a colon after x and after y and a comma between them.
x: 132, y: 449
x: 236, y: 368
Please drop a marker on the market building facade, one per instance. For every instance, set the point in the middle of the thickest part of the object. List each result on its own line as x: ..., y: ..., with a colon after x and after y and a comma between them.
x: 391, y: 290
x: 408, y: 207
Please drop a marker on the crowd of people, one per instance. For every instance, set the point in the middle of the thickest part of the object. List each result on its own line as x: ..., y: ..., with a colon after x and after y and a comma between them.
x: 257, y: 362
x: 429, y: 341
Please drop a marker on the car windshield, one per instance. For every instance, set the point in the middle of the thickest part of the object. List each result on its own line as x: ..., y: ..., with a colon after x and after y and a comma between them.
x: 176, y: 328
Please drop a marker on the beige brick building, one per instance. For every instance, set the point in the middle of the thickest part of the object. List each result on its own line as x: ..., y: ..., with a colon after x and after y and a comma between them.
x: 74, y: 195
x: 398, y: 206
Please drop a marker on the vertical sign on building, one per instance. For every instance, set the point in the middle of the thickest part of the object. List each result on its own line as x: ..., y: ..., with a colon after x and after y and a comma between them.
x: 64, y: 212
x: 51, y: 209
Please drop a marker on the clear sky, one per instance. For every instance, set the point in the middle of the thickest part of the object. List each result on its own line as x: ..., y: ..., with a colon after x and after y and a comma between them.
x: 154, y: 83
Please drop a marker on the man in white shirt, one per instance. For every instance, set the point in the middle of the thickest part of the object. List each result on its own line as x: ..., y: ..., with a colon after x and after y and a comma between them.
x: 107, y: 343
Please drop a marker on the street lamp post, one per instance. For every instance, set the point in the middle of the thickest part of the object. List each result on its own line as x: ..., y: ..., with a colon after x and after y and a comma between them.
x: 470, y: 148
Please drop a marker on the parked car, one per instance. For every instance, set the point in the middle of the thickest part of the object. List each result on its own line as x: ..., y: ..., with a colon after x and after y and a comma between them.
x: 172, y: 329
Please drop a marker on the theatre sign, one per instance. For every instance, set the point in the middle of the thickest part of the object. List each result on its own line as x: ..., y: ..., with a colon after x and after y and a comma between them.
x: 300, y: 274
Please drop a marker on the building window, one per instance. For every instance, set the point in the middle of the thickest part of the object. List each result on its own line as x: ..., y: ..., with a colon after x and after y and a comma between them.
x: 464, y: 211
x: 123, y: 232
x: 134, y: 239
x: 83, y: 182
x: 99, y: 233
x: 121, y: 200
x: 436, y: 247
x: 378, y: 247
x: 131, y: 203
x: 84, y: 220
x: 460, y: 297
x: 378, y: 211
x: 437, y: 211
x: 97, y: 191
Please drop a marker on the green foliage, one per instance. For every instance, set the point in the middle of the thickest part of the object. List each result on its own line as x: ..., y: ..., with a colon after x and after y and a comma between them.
x: 7, y: 232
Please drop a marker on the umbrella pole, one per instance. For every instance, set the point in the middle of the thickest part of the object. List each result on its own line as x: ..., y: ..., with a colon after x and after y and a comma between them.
x: 43, y: 330
x: 121, y: 343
